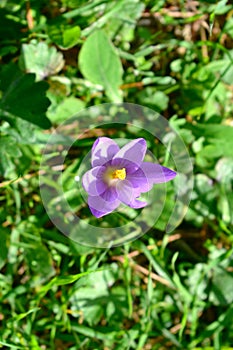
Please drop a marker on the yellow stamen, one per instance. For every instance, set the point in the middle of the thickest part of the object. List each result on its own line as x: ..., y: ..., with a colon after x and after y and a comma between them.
x: 119, y: 174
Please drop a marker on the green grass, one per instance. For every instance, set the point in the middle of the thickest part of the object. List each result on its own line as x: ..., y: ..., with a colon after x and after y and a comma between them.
x: 164, y: 290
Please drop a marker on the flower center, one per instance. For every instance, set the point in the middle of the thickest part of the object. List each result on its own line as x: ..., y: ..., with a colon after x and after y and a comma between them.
x: 119, y: 174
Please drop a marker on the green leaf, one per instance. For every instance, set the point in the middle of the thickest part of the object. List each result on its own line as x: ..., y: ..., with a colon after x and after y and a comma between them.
x: 154, y: 99
x: 224, y: 170
x: 216, y: 135
x: 84, y: 299
x: 22, y: 97
x: 123, y: 17
x: 99, y: 63
x: 228, y: 27
x: 63, y: 35
x: 41, y: 59
x: 93, y: 333
x: 221, y: 290
x: 11, y: 345
x: 66, y: 109
x: 8, y: 151
x: 221, y: 7
x: 39, y: 261
x: 25, y: 314
x: 9, y: 145
x: 216, y: 326
x: 63, y: 280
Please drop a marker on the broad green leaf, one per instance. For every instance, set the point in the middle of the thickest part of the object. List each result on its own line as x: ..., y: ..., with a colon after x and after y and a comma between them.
x: 99, y: 63
x: 63, y: 35
x: 22, y: 97
x: 66, y: 109
x: 39, y: 58
x: 84, y: 299
x: 154, y: 99
x: 216, y: 135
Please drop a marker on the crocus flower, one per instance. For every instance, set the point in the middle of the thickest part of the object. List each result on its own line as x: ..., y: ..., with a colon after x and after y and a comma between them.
x: 120, y: 175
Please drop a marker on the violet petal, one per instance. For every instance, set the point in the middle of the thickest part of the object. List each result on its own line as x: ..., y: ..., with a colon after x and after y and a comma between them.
x: 156, y: 173
x: 92, y: 181
x: 139, y: 180
x: 127, y: 194
x: 103, y: 150
x: 99, y: 207
x: 110, y: 194
x: 133, y: 152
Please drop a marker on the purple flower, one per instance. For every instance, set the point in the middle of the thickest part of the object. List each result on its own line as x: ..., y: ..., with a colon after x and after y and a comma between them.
x: 120, y: 175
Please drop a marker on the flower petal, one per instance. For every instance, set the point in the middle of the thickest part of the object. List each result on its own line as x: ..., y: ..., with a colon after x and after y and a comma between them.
x: 92, y: 181
x: 133, y: 152
x: 103, y: 150
x: 139, y: 180
x: 110, y: 194
x: 149, y: 174
x: 156, y: 173
x: 127, y: 194
x: 99, y: 207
